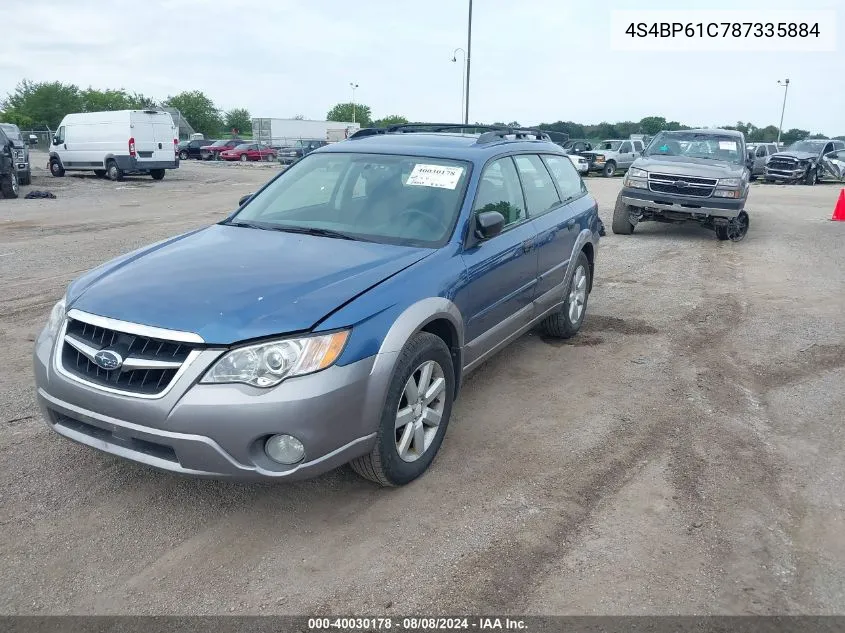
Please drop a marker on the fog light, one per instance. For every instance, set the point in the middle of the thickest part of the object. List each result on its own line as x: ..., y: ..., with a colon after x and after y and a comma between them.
x: 284, y: 449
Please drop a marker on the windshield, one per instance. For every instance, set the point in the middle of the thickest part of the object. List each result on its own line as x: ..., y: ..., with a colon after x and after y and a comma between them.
x: 219, y: 143
x: 813, y: 147
x: 609, y: 145
x: 704, y: 145
x: 12, y: 131
x: 380, y: 198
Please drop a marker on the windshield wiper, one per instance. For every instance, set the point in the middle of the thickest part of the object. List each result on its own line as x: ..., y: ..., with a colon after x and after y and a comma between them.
x: 246, y: 225
x: 312, y: 230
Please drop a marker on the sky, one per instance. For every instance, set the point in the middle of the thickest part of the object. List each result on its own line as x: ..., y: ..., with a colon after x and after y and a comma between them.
x: 532, y: 61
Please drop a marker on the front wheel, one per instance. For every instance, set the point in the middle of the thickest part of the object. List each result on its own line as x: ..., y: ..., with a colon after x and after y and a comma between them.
x: 183, y: 155
x: 735, y: 230
x: 609, y: 170
x: 56, y: 168
x: 270, y: 158
x: 622, y: 224
x: 812, y: 177
x: 244, y: 158
x: 9, y: 185
x: 566, y: 322
x: 415, y: 415
x: 25, y: 178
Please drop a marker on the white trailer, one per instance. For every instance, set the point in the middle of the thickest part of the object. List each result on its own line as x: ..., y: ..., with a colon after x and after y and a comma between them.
x: 285, y: 132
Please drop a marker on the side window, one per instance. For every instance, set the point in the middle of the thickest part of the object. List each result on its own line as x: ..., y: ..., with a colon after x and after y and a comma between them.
x: 828, y: 148
x: 838, y: 145
x: 638, y: 146
x: 567, y: 179
x: 625, y: 148
x: 761, y: 151
x: 540, y: 192
x: 499, y: 190
x: 60, y: 135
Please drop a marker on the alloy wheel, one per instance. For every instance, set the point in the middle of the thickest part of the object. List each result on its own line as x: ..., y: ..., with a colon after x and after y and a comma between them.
x: 577, y: 295
x: 420, y: 411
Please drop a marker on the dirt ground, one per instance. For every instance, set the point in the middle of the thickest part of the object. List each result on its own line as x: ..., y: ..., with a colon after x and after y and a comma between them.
x: 683, y: 454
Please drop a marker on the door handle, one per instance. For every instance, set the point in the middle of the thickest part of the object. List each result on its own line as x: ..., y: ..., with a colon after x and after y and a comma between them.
x: 527, y: 245
x: 65, y: 146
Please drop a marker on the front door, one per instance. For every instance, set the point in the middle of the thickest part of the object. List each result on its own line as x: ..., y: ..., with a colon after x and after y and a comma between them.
x: 626, y: 155
x: 501, y: 272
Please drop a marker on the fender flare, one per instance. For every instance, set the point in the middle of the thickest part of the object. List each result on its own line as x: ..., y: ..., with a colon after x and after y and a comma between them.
x: 584, y: 237
x: 57, y: 157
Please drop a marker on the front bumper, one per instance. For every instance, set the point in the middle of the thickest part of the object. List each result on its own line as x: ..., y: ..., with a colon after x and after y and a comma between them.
x: 687, y: 205
x: 218, y: 431
x: 783, y: 174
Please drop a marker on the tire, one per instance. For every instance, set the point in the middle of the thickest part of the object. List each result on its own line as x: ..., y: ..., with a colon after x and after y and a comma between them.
x: 9, y: 185
x: 100, y: 173
x: 735, y: 230
x: 25, y: 179
x: 114, y: 172
x: 383, y: 464
x: 157, y: 174
x: 621, y: 224
x: 609, y: 169
x: 270, y: 158
x: 183, y: 155
x: 566, y: 322
x: 811, y: 178
x: 56, y: 168
x: 244, y: 158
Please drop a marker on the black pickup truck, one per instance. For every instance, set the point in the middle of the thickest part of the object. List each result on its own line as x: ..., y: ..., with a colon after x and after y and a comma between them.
x: 8, y: 173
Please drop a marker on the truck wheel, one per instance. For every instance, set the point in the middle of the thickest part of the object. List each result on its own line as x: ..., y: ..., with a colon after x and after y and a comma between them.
x: 114, y: 172
x: 9, y: 184
x: 157, y: 174
x: 25, y: 178
x: 415, y: 415
x: 812, y: 177
x: 56, y: 168
x: 100, y: 173
x: 621, y: 224
x: 609, y: 169
x: 735, y: 230
x: 566, y: 322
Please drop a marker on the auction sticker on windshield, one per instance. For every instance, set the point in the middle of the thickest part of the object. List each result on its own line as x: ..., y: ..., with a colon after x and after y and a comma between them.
x: 728, y: 145
x: 435, y: 176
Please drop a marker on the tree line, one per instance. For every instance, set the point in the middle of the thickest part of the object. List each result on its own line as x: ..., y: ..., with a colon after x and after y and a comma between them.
x: 36, y: 105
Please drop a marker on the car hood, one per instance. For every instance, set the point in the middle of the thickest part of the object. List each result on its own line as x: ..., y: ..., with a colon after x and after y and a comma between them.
x: 798, y: 155
x: 688, y: 166
x: 231, y: 284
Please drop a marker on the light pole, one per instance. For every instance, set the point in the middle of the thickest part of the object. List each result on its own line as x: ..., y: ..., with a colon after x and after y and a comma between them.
x: 463, y: 74
x: 353, y: 85
x: 785, y: 85
x: 469, y: 49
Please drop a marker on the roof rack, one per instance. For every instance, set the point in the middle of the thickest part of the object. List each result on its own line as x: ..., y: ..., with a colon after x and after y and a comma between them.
x: 489, y: 133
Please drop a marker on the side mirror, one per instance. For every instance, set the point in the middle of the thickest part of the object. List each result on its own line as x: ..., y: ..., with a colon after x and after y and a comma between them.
x: 489, y: 224
x: 244, y: 199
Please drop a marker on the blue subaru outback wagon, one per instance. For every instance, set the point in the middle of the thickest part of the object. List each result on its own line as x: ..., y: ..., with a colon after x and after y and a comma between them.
x: 332, y: 318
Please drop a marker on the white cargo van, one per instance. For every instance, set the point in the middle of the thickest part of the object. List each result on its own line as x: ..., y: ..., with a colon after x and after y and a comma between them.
x: 115, y: 143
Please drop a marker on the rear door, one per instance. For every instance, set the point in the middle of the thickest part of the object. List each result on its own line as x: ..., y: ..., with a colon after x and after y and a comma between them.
x: 164, y: 133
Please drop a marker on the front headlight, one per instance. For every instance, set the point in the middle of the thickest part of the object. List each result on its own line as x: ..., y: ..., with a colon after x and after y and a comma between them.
x: 267, y: 364
x: 633, y: 172
x: 54, y: 321
x: 730, y: 182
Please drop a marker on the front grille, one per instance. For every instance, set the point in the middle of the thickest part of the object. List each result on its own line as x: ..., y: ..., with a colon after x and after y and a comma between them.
x: 783, y: 164
x: 682, y: 185
x: 142, y: 377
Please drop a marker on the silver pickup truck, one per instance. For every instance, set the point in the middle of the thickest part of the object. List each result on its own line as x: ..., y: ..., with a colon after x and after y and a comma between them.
x: 612, y: 156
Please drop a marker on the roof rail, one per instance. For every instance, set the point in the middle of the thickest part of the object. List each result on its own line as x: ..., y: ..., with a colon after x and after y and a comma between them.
x: 489, y: 133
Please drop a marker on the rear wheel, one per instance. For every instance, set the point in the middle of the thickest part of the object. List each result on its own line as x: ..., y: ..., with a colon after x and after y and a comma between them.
x: 415, y: 415
x: 566, y: 322
x: 9, y: 184
x: 114, y: 172
x: 609, y: 169
x: 270, y: 158
x: 622, y: 224
x: 56, y: 168
x: 157, y: 174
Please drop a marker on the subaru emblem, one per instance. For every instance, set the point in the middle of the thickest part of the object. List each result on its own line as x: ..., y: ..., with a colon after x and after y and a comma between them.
x: 108, y: 360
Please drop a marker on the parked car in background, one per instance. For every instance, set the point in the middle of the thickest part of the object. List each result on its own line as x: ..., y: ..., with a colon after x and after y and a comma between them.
x: 192, y: 149
x: 20, y: 153
x: 332, y: 318
x: 9, y: 186
x: 115, y: 143
x: 580, y: 163
x: 249, y: 151
x: 612, y: 156
x: 806, y: 162
x: 688, y: 176
x: 288, y: 155
x: 577, y: 146
x: 759, y: 154
x: 212, y: 151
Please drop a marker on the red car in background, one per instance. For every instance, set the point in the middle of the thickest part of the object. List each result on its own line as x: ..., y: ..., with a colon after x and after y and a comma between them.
x: 249, y: 151
x: 212, y: 151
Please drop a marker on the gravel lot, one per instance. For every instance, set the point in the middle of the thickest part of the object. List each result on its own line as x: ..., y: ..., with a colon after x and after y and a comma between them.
x: 683, y: 454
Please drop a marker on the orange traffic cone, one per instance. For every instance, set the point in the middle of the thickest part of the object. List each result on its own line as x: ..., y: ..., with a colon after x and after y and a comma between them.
x: 839, y: 209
